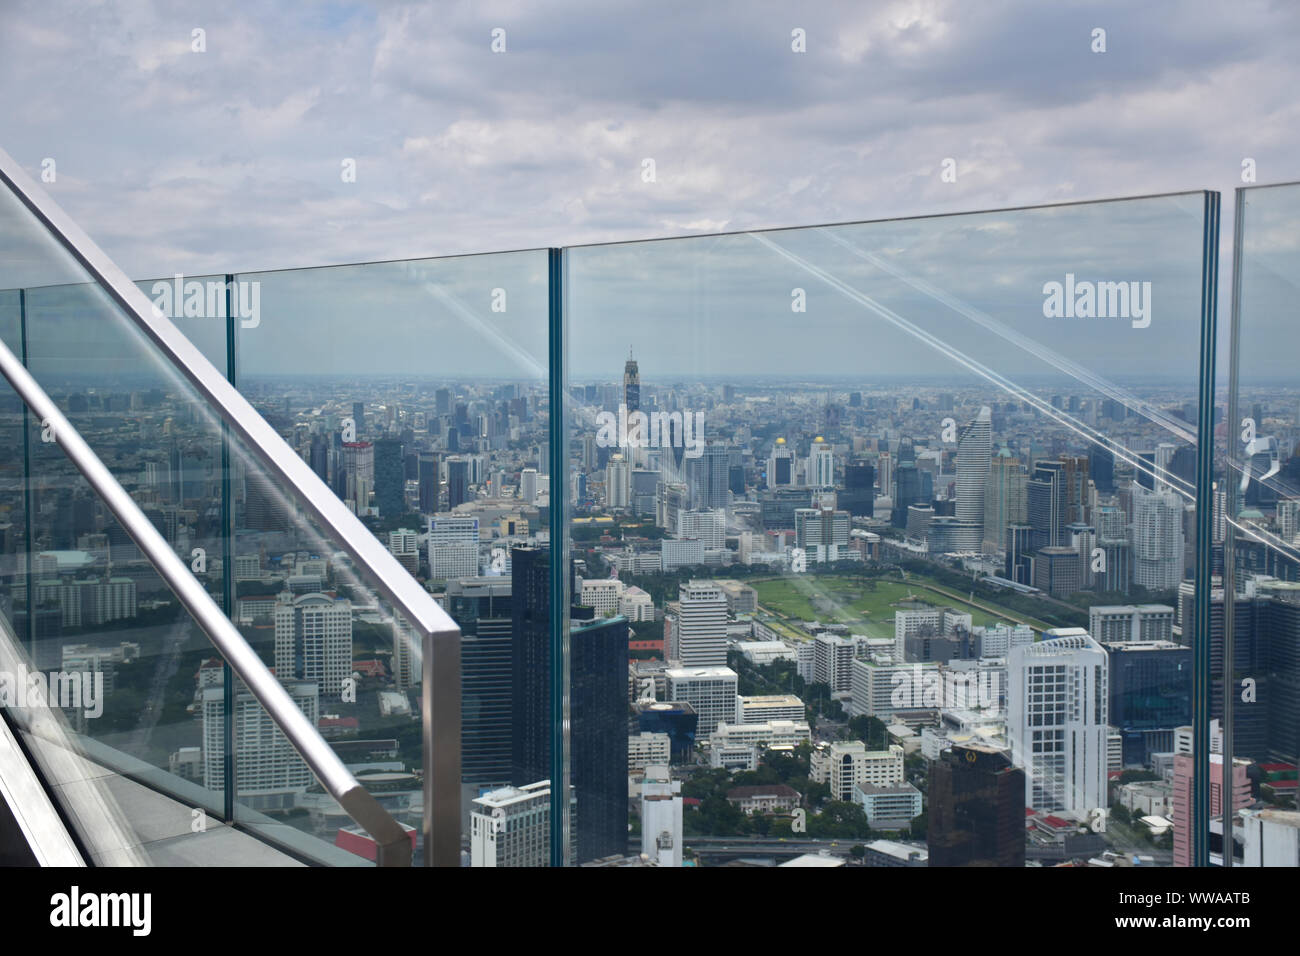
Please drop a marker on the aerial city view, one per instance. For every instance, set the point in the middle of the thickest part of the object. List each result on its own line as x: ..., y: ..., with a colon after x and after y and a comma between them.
x: 811, y: 623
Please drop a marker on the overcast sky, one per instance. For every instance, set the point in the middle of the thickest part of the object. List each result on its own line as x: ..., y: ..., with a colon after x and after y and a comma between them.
x: 231, y: 159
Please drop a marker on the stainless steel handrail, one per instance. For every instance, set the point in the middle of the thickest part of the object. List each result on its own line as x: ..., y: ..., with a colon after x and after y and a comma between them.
x: 394, y: 844
x: 439, y: 634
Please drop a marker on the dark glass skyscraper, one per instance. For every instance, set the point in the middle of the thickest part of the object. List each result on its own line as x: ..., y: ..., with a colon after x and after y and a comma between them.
x: 977, y: 809
x: 457, y: 483
x: 1150, y: 695
x: 483, y: 609
x: 390, y: 478
x: 427, y: 472
x: 859, y: 496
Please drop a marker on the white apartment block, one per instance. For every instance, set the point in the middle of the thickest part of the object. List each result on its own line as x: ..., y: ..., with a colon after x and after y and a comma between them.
x: 636, y: 605
x: 603, y: 594
x: 1126, y: 622
x: 710, y: 690
x: 833, y: 657
x: 453, y: 546
x: 844, y: 765
x: 269, y: 770
x: 944, y: 622
x: 313, y: 640
x: 709, y: 527
x: 1057, y: 713
x: 647, y: 750
x: 996, y: 640
x: 774, y: 734
x: 512, y: 826
x: 880, y: 686
x: 761, y: 710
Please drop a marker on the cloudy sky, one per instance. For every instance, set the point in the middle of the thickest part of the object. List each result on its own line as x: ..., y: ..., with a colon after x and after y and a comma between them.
x: 231, y: 159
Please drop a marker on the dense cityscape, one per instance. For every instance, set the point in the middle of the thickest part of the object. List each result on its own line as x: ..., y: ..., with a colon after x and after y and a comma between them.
x: 811, y: 623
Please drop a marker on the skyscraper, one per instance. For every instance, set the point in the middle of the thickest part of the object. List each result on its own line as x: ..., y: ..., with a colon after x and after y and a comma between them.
x: 974, y: 454
x: 977, y: 809
x: 1005, y: 499
x: 859, y: 496
x: 821, y: 465
x: 313, y: 640
x: 1157, y: 539
x: 707, y: 477
x: 483, y: 607
x: 390, y: 478
x: 1046, y: 504
x: 457, y: 482
x: 1057, y: 720
x: 700, y: 638
x: 427, y: 467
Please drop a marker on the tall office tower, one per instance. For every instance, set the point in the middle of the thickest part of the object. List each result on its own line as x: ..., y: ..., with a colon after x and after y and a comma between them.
x: 1074, y: 471
x: 483, y: 608
x: 528, y: 485
x: 1019, y: 565
x: 1113, y: 539
x: 1101, y: 468
x: 618, y: 482
x: 453, y: 546
x: 1150, y: 695
x: 1057, y: 720
x: 1057, y: 571
x: 319, y: 456
x: 700, y: 638
x: 631, y: 384
x: 885, y: 480
x: 859, y: 495
x: 442, y: 399
x: 1184, y: 767
x: 313, y: 640
x: 1005, y: 501
x: 707, y: 477
x: 974, y: 459
x: 427, y: 467
x: 1046, y: 504
x: 823, y: 533
x: 907, y: 479
x: 390, y: 478
x: 511, y: 826
x: 530, y: 665
x: 661, y: 816
x: 1145, y: 468
x: 598, y: 713
x: 644, y: 485
x: 1082, y: 538
x: 359, y: 464
x: 976, y: 809
x: 672, y: 499
x: 1288, y: 519
x: 1157, y: 539
x: 408, y: 655
x: 821, y: 465
x: 359, y: 416
x: 709, y: 527
x: 269, y: 772
x: 597, y: 708
x: 780, y: 466
x: 1163, y: 457
x: 404, y: 545
x: 457, y: 482
x: 1278, y: 617
x: 264, y: 504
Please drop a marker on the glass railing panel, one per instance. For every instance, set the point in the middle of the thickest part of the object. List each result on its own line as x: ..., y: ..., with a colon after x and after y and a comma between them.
x: 174, y: 706
x: 418, y: 391
x: 1256, y: 661
x: 872, y: 479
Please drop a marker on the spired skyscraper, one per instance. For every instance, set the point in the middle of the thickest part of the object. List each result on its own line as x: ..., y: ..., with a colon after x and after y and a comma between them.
x: 974, y: 456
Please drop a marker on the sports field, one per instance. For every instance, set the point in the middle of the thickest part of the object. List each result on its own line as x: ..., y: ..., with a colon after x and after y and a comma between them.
x: 869, y: 604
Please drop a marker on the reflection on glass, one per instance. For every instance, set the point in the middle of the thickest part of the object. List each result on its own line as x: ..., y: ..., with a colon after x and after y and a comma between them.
x: 897, y: 520
x: 1256, y: 660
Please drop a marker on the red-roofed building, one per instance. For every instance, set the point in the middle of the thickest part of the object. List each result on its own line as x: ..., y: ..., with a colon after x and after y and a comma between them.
x: 358, y: 841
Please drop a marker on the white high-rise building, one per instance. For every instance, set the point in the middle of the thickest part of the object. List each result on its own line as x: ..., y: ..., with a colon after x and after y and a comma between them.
x: 408, y: 655
x: 1127, y: 622
x: 998, y: 639
x: 269, y: 770
x: 511, y: 827
x: 618, y: 482
x: 1288, y: 519
x: 1057, y: 713
x: 603, y: 594
x: 821, y: 464
x: 453, y: 546
x: 661, y: 817
x: 313, y: 640
x: 823, y: 533
x: 1157, y: 539
x: 528, y: 485
x: 974, y: 457
x: 701, y: 633
x: 843, y: 765
x: 405, y: 547
x: 710, y: 690
x: 709, y: 527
